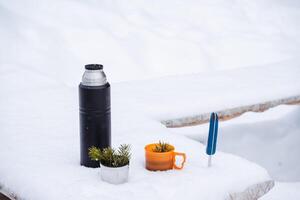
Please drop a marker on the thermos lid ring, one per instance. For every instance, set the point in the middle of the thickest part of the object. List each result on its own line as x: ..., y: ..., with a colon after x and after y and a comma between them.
x: 94, y: 66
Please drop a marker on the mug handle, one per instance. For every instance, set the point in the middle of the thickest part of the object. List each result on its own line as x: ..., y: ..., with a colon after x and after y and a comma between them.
x: 184, y: 159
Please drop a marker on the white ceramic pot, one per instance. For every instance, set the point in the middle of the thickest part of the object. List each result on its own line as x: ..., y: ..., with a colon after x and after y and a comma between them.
x: 114, y: 175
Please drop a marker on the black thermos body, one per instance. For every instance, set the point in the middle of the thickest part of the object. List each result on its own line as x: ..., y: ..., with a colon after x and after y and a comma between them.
x: 94, y: 109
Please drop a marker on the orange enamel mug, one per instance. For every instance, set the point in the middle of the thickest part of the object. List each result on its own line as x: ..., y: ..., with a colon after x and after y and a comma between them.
x: 162, y: 160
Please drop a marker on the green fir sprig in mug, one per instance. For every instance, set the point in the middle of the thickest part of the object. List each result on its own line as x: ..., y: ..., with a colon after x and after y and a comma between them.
x: 161, y: 147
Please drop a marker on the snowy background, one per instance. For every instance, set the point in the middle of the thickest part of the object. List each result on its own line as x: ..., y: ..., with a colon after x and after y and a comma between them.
x: 45, y: 44
x: 146, y: 39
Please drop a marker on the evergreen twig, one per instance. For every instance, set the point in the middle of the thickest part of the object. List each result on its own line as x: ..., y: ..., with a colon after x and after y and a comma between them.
x: 161, y: 147
x: 111, y: 157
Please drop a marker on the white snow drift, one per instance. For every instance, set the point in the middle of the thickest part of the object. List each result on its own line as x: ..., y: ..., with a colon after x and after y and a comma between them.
x: 44, y: 46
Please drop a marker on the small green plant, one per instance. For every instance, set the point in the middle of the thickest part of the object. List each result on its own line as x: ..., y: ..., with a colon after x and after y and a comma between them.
x: 111, y: 157
x: 161, y: 147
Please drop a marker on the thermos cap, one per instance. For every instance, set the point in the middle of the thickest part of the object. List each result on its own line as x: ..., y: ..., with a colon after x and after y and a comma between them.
x: 94, y: 66
x: 93, y: 75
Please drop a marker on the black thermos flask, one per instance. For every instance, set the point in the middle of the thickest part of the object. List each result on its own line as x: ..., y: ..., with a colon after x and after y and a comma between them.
x: 94, y: 109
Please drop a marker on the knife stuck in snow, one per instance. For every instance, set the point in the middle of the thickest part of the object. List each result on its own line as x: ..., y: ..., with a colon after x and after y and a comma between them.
x: 212, y: 137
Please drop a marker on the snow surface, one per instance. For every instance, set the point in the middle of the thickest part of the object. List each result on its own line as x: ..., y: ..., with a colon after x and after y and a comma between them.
x: 171, y: 97
x: 283, y: 190
x: 45, y: 45
x: 146, y: 39
x: 270, y: 139
x: 40, y: 147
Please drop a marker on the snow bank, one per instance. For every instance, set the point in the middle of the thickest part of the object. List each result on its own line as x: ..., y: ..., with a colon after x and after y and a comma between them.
x: 170, y: 97
x: 44, y: 46
x: 283, y: 191
x: 274, y: 132
x: 39, y: 149
x: 270, y: 139
x: 276, y: 144
x: 142, y: 39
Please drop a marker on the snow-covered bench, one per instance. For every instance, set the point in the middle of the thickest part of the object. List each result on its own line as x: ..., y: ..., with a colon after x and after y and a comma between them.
x: 188, y: 100
x: 39, y: 145
x: 230, y: 113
